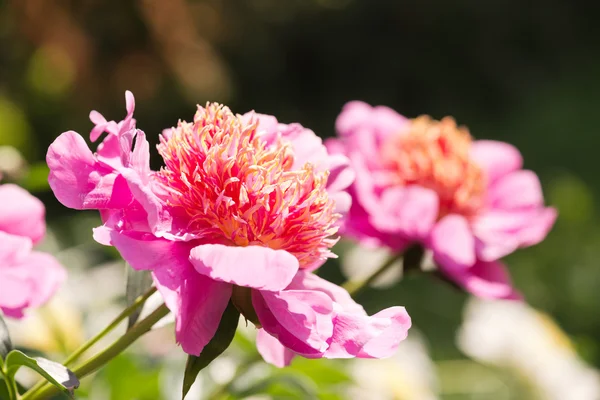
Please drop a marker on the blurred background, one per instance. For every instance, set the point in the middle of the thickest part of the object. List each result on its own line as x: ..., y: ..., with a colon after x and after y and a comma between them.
x: 522, y: 72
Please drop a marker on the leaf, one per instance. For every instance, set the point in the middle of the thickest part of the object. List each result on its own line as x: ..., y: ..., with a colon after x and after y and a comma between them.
x: 138, y: 283
x: 218, y: 344
x: 55, y: 373
x: 5, y: 343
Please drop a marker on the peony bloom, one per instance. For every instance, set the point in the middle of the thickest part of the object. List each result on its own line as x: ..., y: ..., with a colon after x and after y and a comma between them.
x: 425, y: 181
x: 27, y: 278
x: 243, y: 209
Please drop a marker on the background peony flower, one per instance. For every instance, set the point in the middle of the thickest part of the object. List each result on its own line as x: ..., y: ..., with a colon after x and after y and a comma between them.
x: 243, y: 210
x: 426, y: 181
x: 27, y: 278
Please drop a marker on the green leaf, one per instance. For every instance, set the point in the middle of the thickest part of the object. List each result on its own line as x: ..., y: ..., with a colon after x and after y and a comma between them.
x: 138, y: 283
x: 55, y: 373
x: 5, y: 343
x: 218, y: 344
x: 4, y: 394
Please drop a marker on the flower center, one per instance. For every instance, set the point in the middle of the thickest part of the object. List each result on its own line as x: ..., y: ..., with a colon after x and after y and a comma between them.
x: 231, y: 184
x: 435, y: 154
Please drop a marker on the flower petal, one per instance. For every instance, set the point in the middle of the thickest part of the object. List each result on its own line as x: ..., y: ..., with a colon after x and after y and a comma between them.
x: 519, y: 189
x: 272, y: 351
x: 452, y: 242
x: 77, y: 180
x: 496, y: 158
x: 411, y: 211
x: 487, y: 280
x: 203, y: 302
x: 355, y: 333
x: 21, y: 213
x: 300, y: 319
x: 46, y: 275
x: 257, y: 267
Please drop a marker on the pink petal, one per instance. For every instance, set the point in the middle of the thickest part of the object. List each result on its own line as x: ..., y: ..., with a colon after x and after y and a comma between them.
x: 519, y: 189
x: 77, y: 180
x: 46, y: 275
x: 341, y: 174
x: 272, y: 351
x: 487, y: 280
x: 300, y: 319
x: 203, y: 302
x: 147, y: 252
x: 355, y: 333
x: 538, y: 227
x: 381, y: 120
x: 15, y: 290
x: 361, y: 336
x: 500, y: 232
x: 13, y: 248
x: 452, y: 242
x: 496, y: 158
x: 21, y: 213
x: 257, y: 267
x: 411, y: 211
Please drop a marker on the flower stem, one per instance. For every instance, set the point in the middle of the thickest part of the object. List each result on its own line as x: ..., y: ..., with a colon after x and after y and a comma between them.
x: 11, y: 385
x: 87, y: 345
x: 99, y: 360
x: 124, y: 314
x: 355, y: 287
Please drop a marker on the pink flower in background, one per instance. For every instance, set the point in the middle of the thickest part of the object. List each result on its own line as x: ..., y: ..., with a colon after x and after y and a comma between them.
x: 426, y: 181
x: 243, y: 209
x: 27, y: 278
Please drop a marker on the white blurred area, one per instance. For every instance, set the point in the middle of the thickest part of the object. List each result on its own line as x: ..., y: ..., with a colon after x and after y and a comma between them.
x: 512, y: 335
x: 408, y: 375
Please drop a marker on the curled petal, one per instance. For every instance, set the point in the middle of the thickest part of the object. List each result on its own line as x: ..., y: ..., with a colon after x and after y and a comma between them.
x: 257, y: 267
x: 78, y: 180
x: 300, y: 319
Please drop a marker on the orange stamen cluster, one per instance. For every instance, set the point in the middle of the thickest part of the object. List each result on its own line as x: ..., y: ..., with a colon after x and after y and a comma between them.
x: 233, y: 185
x: 435, y: 155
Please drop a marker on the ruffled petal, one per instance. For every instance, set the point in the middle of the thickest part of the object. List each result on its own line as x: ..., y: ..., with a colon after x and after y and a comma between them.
x: 300, y: 319
x: 272, y: 351
x: 257, y: 267
x: 452, y: 242
x: 355, y: 333
x: 78, y: 181
x: 496, y: 158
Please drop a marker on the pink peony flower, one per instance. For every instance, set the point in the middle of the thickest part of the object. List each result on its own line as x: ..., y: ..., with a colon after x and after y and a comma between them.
x: 27, y: 278
x: 244, y: 208
x: 426, y: 181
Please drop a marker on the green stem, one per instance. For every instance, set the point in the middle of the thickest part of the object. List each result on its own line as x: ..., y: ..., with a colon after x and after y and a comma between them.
x: 87, y: 345
x: 124, y: 314
x: 11, y: 385
x: 99, y: 360
x: 355, y: 287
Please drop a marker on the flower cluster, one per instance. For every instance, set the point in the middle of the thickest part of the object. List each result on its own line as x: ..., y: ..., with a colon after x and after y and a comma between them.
x: 428, y: 182
x: 243, y: 210
x: 28, y: 278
